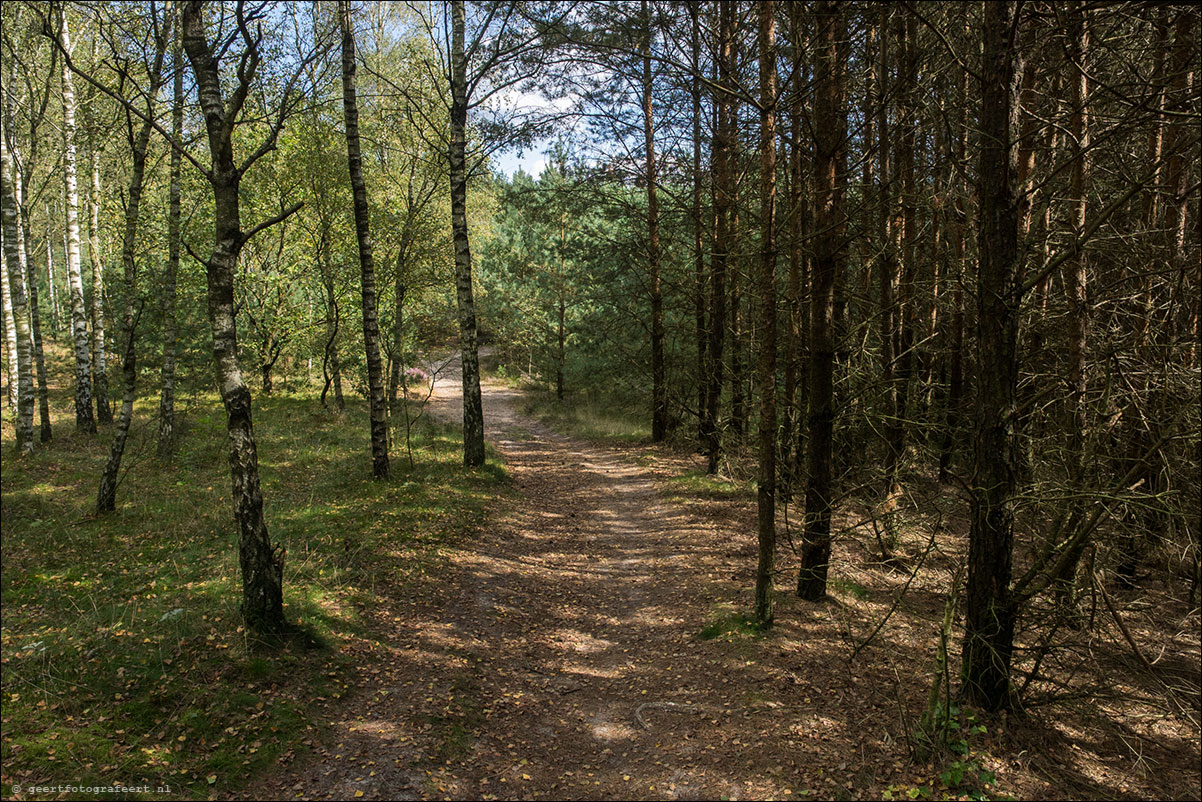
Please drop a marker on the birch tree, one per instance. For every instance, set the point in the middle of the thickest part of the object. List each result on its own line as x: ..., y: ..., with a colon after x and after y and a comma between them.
x: 367, y: 270
x: 85, y: 421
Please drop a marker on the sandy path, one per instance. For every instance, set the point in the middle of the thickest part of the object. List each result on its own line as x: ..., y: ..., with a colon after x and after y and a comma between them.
x: 557, y: 656
x: 585, y: 603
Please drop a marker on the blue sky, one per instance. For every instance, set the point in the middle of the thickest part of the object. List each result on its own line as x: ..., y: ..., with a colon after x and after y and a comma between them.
x: 533, y: 160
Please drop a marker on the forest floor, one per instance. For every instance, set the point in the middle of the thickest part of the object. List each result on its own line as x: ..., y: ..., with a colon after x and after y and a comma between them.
x: 591, y: 642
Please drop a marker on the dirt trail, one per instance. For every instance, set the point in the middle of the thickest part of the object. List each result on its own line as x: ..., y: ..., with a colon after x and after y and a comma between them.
x: 558, y: 657
x: 585, y: 604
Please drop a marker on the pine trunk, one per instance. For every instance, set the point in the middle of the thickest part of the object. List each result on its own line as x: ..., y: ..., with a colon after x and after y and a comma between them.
x: 1074, y: 276
x: 699, y: 277
x: 830, y: 125
x: 659, y: 386
x: 718, y: 268
x: 766, y: 492
x: 886, y: 259
x: 904, y: 33
x: 955, y: 389
x: 990, y: 613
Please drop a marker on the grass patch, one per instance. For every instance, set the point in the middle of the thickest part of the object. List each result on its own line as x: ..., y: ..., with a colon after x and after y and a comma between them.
x: 698, y: 483
x: 850, y: 588
x: 587, y: 416
x: 730, y: 625
x: 124, y: 658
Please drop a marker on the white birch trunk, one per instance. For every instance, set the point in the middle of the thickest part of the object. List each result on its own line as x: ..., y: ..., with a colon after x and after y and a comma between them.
x: 79, y: 316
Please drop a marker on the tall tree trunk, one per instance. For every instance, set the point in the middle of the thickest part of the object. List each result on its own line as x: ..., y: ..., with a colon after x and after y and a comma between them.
x: 473, y: 408
x: 1181, y: 133
x: 904, y: 33
x: 367, y: 269
x: 262, y: 567
x: 50, y: 284
x: 561, y: 355
x: 1075, y: 276
x: 791, y: 416
x: 699, y: 277
x: 84, y: 420
x: 737, y: 328
x: 886, y: 258
x: 990, y: 612
x: 955, y: 389
x: 23, y: 170
x: 718, y: 265
x: 106, y: 496
x: 830, y: 127
x: 17, y: 301
x: 735, y: 274
x: 659, y: 385
x: 398, y: 333
x: 35, y: 315
x: 331, y: 364
x: 100, y: 379
x: 1026, y: 179
x: 11, y: 378
x: 766, y: 492
x: 166, y: 444
x: 796, y: 319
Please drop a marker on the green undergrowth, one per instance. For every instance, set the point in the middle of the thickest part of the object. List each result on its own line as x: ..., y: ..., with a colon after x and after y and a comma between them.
x: 124, y: 659
x: 699, y: 484
x: 586, y: 415
x: 728, y: 624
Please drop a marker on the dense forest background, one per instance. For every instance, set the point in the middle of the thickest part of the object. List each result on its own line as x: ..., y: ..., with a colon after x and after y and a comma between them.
x: 925, y: 276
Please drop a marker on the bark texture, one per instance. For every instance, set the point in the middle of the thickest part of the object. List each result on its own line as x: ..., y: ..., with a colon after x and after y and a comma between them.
x: 367, y: 267
x: 45, y: 433
x: 989, y: 611
x: 100, y: 379
x: 166, y: 443
x: 262, y: 564
x: 699, y: 276
x: 659, y: 384
x: 106, y: 496
x: 85, y: 421
x: 830, y: 125
x: 718, y: 264
x: 17, y: 302
x: 766, y: 492
x: 10, y: 340
x: 473, y: 408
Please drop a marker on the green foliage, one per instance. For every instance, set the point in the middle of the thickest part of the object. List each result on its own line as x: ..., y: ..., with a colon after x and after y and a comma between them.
x: 853, y: 589
x: 700, y: 483
x: 955, y: 743
x: 727, y: 624
x: 573, y: 241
